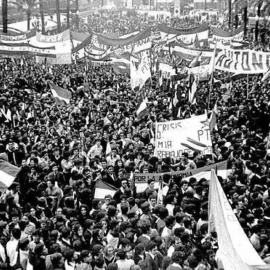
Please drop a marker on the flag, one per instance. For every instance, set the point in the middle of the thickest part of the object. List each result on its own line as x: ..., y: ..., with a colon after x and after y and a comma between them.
x: 62, y: 96
x: 102, y: 189
x: 213, y: 118
x: 197, y: 42
x: 108, y: 149
x: 142, y: 110
x: 235, y: 250
x: 192, y: 91
x: 212, y: 65
x: 8, y: 173
x: 266, y: 75
x: 196, y: 61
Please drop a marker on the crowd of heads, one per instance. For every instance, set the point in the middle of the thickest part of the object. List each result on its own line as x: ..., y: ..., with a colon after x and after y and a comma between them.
x: 51, y: 213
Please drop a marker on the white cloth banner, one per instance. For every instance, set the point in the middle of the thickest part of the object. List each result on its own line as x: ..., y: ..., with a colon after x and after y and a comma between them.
x: 235, y: 250
x: 185, y: 38
x: 62, y: 44
x: 188, y: 135
x: 142, y: 74
x: 166, y: 70
x: 242, y: 61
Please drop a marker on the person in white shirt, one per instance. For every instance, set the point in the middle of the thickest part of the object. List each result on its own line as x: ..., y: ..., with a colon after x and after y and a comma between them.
x: 12, y: 246
x: 3, y: 257
x: 122, y: 262
x: 95, y: 150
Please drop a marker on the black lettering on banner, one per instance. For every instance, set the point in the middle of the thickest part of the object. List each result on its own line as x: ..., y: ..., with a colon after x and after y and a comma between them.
x: 237, y: 53
x: 200, y: 133
x: 245, y: 63
x: 164, y: 127
x: 257, y: 63
x: 207, y: 133
x: 166, y: 144
x: 159, y: 130
x: 227, y: 63
x: 140, y: 179
x: 268, y: 61
x: 220, y: 59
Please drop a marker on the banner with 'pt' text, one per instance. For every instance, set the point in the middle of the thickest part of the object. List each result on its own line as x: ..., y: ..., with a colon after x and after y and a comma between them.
x: 173, y: 138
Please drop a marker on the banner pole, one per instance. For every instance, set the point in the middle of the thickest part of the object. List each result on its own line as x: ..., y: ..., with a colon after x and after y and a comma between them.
x: 247, y: 84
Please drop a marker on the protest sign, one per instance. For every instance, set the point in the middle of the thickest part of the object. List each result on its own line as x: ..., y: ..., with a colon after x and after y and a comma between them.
x: 173, y: 138
x: 204, y: 172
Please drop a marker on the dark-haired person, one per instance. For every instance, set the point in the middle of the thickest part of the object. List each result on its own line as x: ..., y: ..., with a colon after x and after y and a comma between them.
x: 177, y: 261
x: 122, y: 262
x: 123, y: 190
x: 150, y: 190
x: 151, y: 258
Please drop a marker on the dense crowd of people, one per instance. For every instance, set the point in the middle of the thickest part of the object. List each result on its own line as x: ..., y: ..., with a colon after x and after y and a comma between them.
x: 50, y: 218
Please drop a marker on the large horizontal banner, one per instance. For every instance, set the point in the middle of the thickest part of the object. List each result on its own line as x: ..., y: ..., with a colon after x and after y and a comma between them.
x: 146, y: 34
x: 204, y: 172
x: 62, y: 44
x: 221, y: 37
x: 217, y: 32
x: 242, y: 61
x: 190, y: 54
x: 54, y: 38
x: 17, y: 37
x: 100, y: 48
x: 26, y: 49
x: 173, y: 138
x: 167, y: 32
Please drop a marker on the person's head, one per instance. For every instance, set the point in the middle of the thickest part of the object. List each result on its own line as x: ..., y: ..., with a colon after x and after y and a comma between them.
x: 66, y: 232
x: 151, y: 247
x: 152, y: 200
x: 109, y: 251
x: 184, y: 185
x: 86, y: 256
x: 151, y: 184
x: 84, y: 210
x: 139, y: 249
x: 96, y: 204
x: 121, y: 254
x: 169, y: 221
x: 108, y: 198
x: 177, y: 257
x: 15, y: 217
x: 16, y: 233
x: 25, y: 218
x: 110, y: 169
x: 124, y: 183
x: 49, y: 184
x: 185, y: 156
x: 55, y: 168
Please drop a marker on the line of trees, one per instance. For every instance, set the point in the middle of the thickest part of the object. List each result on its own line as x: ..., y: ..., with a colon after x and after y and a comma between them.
x: 30, y: 7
